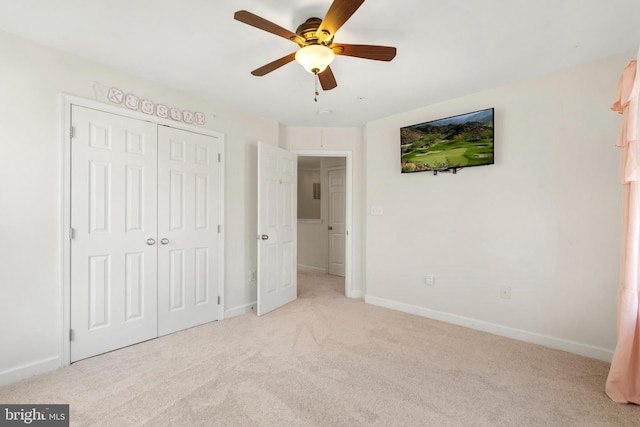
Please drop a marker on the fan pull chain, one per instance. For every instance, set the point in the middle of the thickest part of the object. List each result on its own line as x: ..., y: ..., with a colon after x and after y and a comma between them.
x: 315, y: 98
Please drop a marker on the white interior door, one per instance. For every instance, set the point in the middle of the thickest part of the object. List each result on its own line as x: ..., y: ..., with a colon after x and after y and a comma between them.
x: 188, y: 219
x: 114, y: 223
x: 277, y: 195
x: 337, y: 220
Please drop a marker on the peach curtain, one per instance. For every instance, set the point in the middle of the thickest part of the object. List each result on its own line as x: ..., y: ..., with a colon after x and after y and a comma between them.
x: 623, y: 382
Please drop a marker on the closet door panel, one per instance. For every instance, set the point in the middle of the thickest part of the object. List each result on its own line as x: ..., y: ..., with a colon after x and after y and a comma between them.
x: 188, y: 183
x: 113, y: 214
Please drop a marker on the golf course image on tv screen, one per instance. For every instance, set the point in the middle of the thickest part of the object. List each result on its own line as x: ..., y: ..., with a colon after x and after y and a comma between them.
x: 450, y: 143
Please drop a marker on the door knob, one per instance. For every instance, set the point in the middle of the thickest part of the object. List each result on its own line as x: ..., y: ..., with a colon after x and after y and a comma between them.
x: 151, y: 242
x: 265, y: 237
x: 164, y: 241
x: 330, y: 228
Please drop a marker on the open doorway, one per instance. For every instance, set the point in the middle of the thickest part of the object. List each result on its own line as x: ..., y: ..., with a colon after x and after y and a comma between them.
x: 324, y: 214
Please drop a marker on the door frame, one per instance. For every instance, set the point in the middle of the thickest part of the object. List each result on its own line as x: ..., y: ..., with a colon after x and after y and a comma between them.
x: 65, y: 165
x: 349, y: 292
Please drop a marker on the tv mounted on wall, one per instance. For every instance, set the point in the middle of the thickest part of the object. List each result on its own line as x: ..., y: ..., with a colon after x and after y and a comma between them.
x: 448, y: 144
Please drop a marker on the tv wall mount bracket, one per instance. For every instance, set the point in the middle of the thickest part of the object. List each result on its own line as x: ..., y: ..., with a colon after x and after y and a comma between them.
x: 452, y: 170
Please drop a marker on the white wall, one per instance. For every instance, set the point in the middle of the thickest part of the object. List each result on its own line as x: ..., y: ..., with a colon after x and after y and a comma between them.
x: 32, y: 79
x: 313, y: 247
x: 308, y: 207
x: 545, y: 220
x: 338, y: 139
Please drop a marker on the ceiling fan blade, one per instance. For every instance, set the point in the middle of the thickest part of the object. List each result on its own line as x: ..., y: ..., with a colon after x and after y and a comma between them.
x: 337, y: 15
x: 366, y: 51
x: 268, y: 26
x: 271, y: 66
x: 327, y: 79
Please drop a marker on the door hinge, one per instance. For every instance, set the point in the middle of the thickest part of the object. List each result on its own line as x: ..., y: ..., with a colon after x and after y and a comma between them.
x: 71, y: 132
x: 219, y: 158
x: 218, y: 299
x: 71, y: 335
x: 71, y: 233
x: 219, y: 228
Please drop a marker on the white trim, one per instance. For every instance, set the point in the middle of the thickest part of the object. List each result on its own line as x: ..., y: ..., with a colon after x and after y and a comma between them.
x: 240, y: 310
x: 493, y: 328
x: 348, y: 270
x: 312, y: 269
x: 67, y: 102
x: 357, y: 295
x: 65, y: 214
x: 29, y: 370
x: 221, y: 208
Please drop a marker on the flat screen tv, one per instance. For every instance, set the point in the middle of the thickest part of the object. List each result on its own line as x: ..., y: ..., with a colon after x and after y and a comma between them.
x: 448, y: 144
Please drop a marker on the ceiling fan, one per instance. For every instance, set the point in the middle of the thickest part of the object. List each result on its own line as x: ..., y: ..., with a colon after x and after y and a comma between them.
x: 315, y: 38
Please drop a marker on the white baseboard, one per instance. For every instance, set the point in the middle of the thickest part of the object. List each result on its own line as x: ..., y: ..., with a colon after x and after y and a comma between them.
x: 29, y: 370
x: 240, y: 310
x: 312, y: 269
x: 355, y: 294
x: 493, y: 328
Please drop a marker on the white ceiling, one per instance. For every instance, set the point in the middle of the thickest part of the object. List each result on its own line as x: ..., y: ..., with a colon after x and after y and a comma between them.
x: 445, y: 48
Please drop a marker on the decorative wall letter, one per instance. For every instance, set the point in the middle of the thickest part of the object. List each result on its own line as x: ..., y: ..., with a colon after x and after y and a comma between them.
x: 176, y: 114
x: 147, y: 107
x: 115, y: 95
x: 162, y: 111
x: 132, y: 102
x: 199, y: 118
x: 187, y: 116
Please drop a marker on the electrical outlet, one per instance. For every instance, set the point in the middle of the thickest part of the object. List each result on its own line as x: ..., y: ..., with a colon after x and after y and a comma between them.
x: 429, y: 280
x: 505, y: 292
x: 377, y: 210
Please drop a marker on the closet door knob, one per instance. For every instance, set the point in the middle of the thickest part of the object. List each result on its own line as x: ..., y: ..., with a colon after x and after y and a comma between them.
x: 151, y: 242
x: 164, y: 241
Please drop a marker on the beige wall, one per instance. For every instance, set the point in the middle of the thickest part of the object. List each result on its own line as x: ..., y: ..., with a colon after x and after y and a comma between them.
x: 32, y: 80
x: 545, y: 220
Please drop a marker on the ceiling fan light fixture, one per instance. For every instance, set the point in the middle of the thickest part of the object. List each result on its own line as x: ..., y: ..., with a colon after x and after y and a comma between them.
x: 315, y: 58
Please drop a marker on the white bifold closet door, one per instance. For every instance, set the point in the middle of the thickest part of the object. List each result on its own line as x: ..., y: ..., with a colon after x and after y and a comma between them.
x: 114, y: 221
x: 144, y: 215
x: 188, y: 229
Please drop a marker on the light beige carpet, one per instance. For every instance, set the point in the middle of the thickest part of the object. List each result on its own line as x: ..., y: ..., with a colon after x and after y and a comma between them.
x: 326, y: 360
